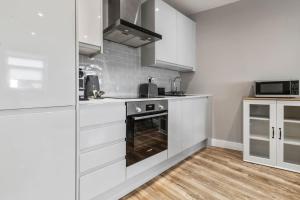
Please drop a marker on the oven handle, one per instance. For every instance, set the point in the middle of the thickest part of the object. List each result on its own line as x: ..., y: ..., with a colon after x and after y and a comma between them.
x: 149, y: 116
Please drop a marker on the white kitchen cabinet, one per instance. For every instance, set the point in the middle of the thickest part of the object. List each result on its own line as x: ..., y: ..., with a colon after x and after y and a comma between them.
x: 165, y: 24
x: 188, y: 123
x: 174, y: 128
x: 271, y: 133
x: 102, y: 148
x: 90, y: 26
x: 37, y: 150
x: 185, y: 41
x: 194, y: 121
x: 96, y: 183
x: 177, y: 49
x: 37, y: 53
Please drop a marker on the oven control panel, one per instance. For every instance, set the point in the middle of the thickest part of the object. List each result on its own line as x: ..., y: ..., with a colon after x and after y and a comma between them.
x: 140, y: 107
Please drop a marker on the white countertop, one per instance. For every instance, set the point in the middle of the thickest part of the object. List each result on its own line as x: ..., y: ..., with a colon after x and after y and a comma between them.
x: 112, y: 100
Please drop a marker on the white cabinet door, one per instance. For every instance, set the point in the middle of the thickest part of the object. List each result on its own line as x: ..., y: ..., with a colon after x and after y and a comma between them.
x: 175, y: 132
x: 37, y: 151
x: 165, y: 24
x: 260, y: 134
x: 186, y: 41
x: 37, y: 53
x: 90, y: 22
x: 288, y: 137
x: 200, y: 119
x: 194, y: 121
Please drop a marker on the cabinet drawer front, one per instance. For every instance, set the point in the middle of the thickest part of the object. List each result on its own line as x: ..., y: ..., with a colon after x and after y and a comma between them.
x: 102, y: 156
x: 92, y: 115
x: 102, y: 135
x: 102, y: 180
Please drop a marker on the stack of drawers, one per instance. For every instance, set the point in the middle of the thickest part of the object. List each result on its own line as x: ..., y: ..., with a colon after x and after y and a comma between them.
x: 102, y: 148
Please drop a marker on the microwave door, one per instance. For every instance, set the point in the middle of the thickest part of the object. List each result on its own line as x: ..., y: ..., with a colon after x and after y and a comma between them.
x: 273, y: 88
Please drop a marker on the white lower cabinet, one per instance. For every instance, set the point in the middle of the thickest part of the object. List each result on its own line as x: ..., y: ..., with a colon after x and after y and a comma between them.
x: 188, y: 119
x: 102, y: 148
x: 98, y: 182
x: 272, y: 133
x: 37, y: 151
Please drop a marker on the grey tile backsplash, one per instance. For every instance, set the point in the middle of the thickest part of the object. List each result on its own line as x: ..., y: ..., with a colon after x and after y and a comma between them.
x: 120, y: 71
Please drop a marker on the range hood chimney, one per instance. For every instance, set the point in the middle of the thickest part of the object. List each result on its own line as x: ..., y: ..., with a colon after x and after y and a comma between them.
x: 123, y: 28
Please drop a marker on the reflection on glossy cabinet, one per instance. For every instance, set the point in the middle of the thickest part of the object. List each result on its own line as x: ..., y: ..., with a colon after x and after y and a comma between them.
x: 271, y: 133
x: 90, y: 26
x: 37, y: 53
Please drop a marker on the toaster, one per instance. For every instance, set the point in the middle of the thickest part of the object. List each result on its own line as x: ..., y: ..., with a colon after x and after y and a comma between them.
x: 148, y: 90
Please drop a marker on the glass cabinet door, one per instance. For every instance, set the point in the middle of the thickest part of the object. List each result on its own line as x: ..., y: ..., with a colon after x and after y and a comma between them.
x: 288, y: 151
x: 260, y: 131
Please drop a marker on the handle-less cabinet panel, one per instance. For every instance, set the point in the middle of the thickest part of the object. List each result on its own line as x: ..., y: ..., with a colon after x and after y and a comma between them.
x: 288, y: 126
x: 185, y: 42
x: 174, y: 128
x: 37, y: 151
x: 177, y: 49
x: 37, y: 53
x: 260, y: 132
x: 90, y: 26
x: 165, y: 24
x: 188, y: 124
x: 96, y: 183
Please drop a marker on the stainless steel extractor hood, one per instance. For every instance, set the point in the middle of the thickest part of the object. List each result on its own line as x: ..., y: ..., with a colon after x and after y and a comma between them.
x: 123, y: 28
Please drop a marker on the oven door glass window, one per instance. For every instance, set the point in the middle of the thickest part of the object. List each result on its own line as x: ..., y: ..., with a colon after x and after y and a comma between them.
x: 146, y: 136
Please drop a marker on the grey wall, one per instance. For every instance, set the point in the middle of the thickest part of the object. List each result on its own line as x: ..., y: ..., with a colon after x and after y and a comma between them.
x: 237, y: 44
x: 120, y: 70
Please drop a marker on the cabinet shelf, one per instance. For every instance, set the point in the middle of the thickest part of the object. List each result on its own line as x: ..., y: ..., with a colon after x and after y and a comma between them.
x: 292, y: 141
x: 259, y: 137
x: 260, y: 118
x: 292, y: 121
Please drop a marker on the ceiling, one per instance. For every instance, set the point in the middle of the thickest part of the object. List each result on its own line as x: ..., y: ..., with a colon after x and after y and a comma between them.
x: 190, y: 7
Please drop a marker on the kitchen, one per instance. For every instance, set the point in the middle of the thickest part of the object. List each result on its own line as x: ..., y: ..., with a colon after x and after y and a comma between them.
x: 111, y: 99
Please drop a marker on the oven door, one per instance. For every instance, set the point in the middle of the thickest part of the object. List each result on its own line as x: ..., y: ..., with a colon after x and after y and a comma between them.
x: 273, y: 88
x: 146, y: 136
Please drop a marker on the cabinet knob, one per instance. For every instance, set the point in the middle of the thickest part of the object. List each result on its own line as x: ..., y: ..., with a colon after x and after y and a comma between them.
x: 138, y: 109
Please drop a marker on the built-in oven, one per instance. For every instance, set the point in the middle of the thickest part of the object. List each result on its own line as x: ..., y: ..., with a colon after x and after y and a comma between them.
x: 147, y: 130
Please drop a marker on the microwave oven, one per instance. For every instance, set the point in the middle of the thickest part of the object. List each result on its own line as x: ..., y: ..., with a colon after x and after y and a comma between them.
x: 277, y: 88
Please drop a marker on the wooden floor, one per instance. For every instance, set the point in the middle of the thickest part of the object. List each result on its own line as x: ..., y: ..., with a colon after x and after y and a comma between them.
x: 216, y: 173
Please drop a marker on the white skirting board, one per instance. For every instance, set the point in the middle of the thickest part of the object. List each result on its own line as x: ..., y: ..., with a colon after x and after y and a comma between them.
x: 225, y: 144
x: 135, y: 182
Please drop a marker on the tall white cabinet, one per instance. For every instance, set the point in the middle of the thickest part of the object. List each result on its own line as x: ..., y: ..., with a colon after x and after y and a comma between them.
x: 37, y: 53
x: 177, y: 49
x: 272, y: 132
x: 37, y: 105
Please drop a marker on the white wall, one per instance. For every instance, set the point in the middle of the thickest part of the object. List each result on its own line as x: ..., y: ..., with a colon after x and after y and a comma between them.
x: 237, y: 44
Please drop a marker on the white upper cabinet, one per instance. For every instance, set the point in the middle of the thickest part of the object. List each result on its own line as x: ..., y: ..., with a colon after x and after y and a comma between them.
x: 165, y: 24
x: 90, y: 26
x: 37, y: 53
x: 177, y: 49
x: 186, y: 42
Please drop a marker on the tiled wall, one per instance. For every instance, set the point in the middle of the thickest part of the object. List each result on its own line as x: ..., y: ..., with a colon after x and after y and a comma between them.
x: 120, y: 70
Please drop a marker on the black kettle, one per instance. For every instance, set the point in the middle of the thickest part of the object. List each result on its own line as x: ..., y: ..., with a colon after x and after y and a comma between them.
x: 92, y: 87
